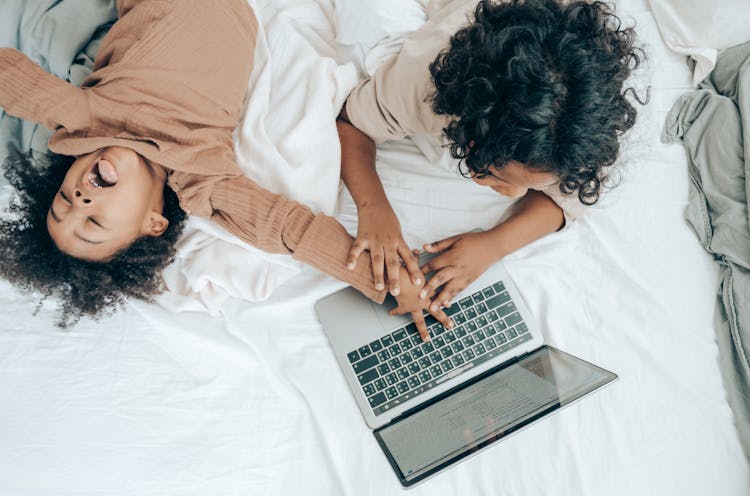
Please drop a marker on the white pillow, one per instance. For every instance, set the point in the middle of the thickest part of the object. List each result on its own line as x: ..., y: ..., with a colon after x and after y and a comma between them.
x: 368, y: 22
x: 700, y: 28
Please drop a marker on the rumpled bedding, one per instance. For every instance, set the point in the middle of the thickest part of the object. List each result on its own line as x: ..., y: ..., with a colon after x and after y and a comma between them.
x: 714, y: 124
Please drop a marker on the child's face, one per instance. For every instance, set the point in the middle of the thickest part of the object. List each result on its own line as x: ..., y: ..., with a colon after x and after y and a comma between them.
x: 514, y: 179
x: 108, y: 199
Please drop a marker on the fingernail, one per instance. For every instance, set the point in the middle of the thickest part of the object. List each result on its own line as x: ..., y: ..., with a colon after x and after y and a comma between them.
x: 379, y: 286
x: 434, y: 308
x: 423, y: 294
x: 418, y: 281
x: 395, y: 291
x: 450, y: 324
x: 427, y: 339
x: 350, y: 266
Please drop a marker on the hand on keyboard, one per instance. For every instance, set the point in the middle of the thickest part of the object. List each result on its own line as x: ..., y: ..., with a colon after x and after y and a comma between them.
x: 409, y: 301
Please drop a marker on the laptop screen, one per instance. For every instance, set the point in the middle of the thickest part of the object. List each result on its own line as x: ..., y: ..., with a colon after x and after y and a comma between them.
x: 485, y: 409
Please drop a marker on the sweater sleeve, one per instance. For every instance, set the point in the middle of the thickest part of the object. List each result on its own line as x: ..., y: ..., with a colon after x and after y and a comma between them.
x: 272, y: 223
x: 30, y: 93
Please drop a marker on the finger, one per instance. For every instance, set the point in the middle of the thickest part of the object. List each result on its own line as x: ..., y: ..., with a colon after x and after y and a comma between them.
x: 446, y: 295
x: 421, y: 325
x: 441, y: 245
x: 435, y: 264
x: 393, y: 267
x: 357, y: 248
x: 441, y: 277
x: 412, y: 267
x: 376, y: 255
x: 441, y: 317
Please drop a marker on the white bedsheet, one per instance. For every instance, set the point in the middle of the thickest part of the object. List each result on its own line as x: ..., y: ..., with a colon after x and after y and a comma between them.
x: 251, y: 402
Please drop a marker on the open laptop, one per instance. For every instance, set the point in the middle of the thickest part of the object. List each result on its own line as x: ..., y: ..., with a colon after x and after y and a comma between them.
x: 433, y: 404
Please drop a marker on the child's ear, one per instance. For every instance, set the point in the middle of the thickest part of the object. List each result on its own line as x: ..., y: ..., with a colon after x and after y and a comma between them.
x: 156, y: 224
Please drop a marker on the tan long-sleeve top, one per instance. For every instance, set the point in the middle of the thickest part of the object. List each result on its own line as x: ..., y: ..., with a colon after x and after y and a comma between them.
x: 169, y: 82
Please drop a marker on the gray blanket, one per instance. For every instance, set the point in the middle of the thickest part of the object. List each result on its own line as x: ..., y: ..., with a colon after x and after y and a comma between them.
x: 714, y: 124
x: 60, y: 35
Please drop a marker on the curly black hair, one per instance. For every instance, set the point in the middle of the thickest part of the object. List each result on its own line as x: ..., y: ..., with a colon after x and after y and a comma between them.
x: 539, y: 82
x: 30, y: 259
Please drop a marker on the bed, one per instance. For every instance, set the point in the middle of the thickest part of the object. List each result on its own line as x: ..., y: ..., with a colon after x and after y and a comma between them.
x: 240, y: 394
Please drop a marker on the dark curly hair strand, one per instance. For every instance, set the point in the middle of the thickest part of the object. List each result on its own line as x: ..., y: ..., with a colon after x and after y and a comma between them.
x: 540, y: 83
x: 30, y: 260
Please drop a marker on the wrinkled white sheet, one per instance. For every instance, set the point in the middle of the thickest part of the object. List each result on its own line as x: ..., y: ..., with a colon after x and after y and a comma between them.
x: 150, y: 402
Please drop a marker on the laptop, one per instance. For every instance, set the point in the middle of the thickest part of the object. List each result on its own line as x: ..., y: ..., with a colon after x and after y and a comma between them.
x: 431, y: 405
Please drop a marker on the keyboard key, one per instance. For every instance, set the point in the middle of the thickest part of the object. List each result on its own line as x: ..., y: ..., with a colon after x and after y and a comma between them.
x: 365, y: 364
x: 387, y: 341
x: 429, y: 320
x: 452, y: 310
x: 479, y: 335
x: 479, y: 349
x: 513, y: 319
x: 506, y: 309
x: 413, y: 382
x: 435, y: 357
x: 466, y: 303
x: 376, y: 400
x: 477, y: 297
x: 406, y: 358
x: 395, y: 349
x: 439, y: 342
x: 449, y: 337
x: 490, y: 344
x: 436, y: 371
x: 482, y: 309
x: 457, y: 360
x: 468, y: 341
x: 490, y: 331
x: 501, y: 338
x: 481, y: 322
x: 391, y: 393
x: 488, y: 291
x: 364, y: 351
x: 402, y: 387
x: 425, y: 376
x: 500, y: 325
x: 369, y: 389
x: 460, y: 331
x: 391, y: 379
x: 498, y: 300
x: 447, y: 365
x: 498, y: 287
x: 376, y: 346
x: 521, y: 328
x: 368, y: 376
x: 417, y: 353
x: 412, y: 329
x: 446, y: 352
x: 471, y: 314
x: 459, y: 318
x: 394, y: 363
x: 353, y: 356
x: 399, y: 334
x: 468, y: 355
x: 415, y: 340
x: 424, y: 362
x: 428, y: 347
x: 380, y: 384
x: 457, y: 346
x: 492, y: 316
x: 402, y: 373
x: 512, y: 334
x: 413, y: 368
x: 471, y: 327
x: 406, y: 344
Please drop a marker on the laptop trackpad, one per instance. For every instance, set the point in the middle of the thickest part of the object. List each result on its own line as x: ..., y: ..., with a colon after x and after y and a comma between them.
x: 389, y: 322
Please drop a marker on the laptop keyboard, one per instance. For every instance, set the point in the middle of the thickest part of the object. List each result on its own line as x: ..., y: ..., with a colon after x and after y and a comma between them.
x: 400, y: 366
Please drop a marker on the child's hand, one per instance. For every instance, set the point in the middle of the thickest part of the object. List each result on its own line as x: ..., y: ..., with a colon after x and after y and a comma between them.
x: 410, y: 302
x: 465, y: 257
x: 380, y: 232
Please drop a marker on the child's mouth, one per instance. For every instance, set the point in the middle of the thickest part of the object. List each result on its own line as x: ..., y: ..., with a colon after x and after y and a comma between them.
x: 103, y: 174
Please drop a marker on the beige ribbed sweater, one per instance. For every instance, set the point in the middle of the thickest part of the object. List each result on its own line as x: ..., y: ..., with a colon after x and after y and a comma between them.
x: 168, y: 82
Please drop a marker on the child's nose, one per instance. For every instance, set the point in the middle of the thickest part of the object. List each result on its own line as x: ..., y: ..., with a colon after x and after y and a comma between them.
x: 83, y: 199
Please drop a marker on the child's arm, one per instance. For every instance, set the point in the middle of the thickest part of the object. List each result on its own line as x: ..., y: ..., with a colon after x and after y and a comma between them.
x: 466, y: 256
x: 378, y: 229
x: 28, y: 92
